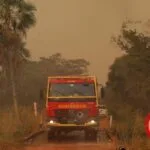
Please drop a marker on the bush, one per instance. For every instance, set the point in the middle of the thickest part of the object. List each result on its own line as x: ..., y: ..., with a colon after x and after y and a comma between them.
x: 128, y: 126
x: 11, y: 129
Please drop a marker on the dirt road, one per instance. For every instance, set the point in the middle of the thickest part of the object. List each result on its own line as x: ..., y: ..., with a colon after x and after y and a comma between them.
x: 79, y: 146
x: 74, y: 141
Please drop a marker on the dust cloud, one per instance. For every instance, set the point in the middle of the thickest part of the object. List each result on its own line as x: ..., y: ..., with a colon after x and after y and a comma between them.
x: 82, y: 29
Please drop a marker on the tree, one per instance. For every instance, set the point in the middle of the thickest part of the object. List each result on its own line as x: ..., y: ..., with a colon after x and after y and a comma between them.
x: 16, y: 17
x: 64, y: 66
x: 129, y: 75
x: 35, y: 73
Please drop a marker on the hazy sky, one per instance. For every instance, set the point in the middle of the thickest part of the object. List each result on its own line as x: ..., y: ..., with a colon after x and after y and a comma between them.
x: 82, y: 29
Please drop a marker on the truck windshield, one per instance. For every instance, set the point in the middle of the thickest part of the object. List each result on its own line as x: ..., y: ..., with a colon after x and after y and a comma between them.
x: 75, y: 89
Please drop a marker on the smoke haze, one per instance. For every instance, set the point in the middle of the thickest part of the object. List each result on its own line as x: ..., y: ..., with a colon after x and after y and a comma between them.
x: 82, y: 29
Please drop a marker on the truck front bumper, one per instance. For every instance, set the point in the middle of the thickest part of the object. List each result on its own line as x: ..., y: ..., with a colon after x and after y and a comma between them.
x: 92, y: 124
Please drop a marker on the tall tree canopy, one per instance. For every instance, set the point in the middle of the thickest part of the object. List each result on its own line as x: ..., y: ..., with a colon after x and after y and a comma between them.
x: 129, y: 76
x: 16, y: 17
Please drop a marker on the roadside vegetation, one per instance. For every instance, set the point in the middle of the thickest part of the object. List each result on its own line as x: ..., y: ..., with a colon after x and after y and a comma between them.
x: 13, y: 130
x: 128, y: 85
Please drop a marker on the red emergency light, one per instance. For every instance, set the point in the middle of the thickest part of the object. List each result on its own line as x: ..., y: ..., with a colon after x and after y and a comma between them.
x: 147, y: 125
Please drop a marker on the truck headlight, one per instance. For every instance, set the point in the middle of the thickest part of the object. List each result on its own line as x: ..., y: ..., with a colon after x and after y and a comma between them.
x: 92, y: 121
x: 51, y: 121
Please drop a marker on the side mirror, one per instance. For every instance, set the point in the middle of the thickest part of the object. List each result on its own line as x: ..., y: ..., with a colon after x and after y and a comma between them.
x: 102, y: 91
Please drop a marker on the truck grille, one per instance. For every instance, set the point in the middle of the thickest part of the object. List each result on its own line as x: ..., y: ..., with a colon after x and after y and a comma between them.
x: 66, y: 116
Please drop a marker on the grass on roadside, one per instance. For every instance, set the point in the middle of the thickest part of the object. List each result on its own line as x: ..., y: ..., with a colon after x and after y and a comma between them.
x: 11, y: 129
x: 129, y: 129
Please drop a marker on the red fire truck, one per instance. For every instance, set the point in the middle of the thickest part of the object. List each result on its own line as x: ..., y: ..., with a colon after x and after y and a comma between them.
x: 72, y: 103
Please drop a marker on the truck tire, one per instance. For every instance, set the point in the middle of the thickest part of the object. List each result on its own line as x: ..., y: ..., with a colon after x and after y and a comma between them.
x: 90, y: 135
x: 51, y: 135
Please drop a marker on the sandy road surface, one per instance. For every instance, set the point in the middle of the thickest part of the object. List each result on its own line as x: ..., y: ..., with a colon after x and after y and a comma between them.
x: 73, y: 141
x: 79, y: 146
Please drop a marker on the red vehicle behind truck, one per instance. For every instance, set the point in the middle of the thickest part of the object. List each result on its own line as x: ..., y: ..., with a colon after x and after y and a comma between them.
x: 72, y: 103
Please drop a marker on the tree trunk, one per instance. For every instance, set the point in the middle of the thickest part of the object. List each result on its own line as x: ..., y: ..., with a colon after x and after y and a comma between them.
x: 13, y: 85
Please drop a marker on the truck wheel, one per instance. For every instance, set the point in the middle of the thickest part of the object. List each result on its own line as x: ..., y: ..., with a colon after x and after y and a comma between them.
x: 87, y: 136
x: 98, y: 139
x: 51, y: 135
x: 90, y: 135
x: 94, y: 135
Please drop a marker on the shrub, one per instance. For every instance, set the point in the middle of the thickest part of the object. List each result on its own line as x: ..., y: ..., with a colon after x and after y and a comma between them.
x: 11, y: 129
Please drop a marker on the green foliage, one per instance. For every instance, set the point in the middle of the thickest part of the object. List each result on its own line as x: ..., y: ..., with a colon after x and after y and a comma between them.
x: 129, y: 76
x: 128, y: 87
x: 17, y: 15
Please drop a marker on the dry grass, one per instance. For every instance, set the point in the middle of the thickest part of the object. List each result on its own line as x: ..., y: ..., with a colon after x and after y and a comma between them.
x: 11, y: 129
x: 130, y: 131
x: 10, y: 146
x: 129, y: 128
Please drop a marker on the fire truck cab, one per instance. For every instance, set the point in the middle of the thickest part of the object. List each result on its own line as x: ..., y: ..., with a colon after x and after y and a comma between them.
x: 72, y: 103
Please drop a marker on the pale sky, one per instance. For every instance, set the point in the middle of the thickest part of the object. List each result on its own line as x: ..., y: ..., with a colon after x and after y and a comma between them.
x: 82, y: 29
